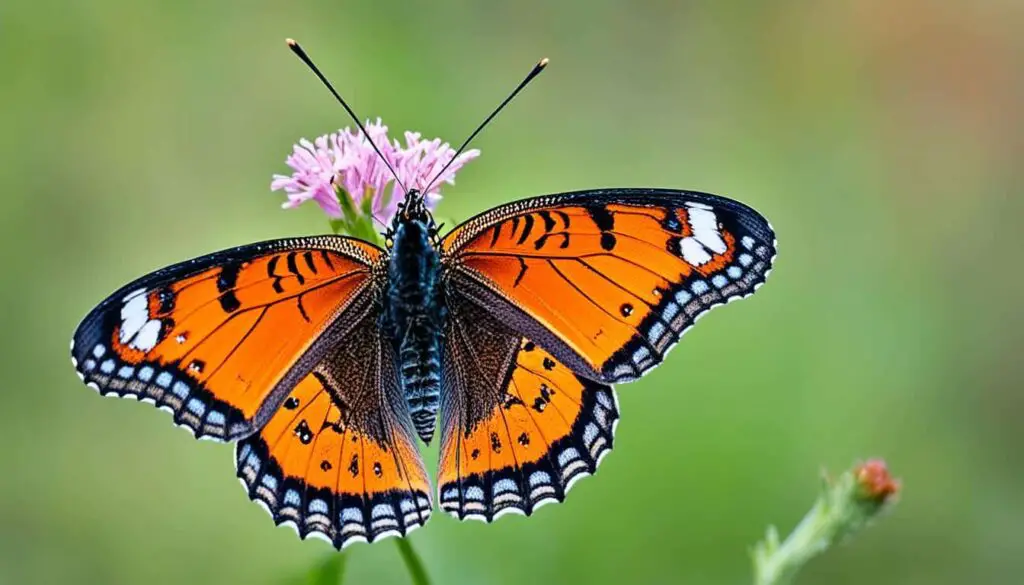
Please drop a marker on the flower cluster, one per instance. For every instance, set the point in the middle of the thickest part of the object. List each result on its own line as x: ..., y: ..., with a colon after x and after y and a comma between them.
x: 345, y: 165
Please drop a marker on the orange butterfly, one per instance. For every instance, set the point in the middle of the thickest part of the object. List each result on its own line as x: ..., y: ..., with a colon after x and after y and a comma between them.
x: 324, y: 357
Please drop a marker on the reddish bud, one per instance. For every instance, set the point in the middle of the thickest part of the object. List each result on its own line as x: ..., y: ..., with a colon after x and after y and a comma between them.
x: 875, y: 482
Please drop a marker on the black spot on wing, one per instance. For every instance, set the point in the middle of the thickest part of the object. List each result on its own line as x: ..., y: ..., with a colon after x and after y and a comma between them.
x: 272, y: 273
x: 308, y: 257
x: 608, y: 241
x: 603, y: 219
x: 528, y: 222
x: 549, y: 222
x: 226, y: 281
x: 294, y: 268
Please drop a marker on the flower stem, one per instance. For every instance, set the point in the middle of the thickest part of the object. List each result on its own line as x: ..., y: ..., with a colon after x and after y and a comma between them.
x: 330, y: 572
x: 843, y: 508
x: 412, y: 562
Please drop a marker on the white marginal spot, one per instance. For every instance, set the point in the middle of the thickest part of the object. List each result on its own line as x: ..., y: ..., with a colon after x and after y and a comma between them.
x: 386, y: 534
x: 146, y: 373
x: 683, y: 297
x: 107, y: 366
x: 382, y: 511
x: 196, y: 407
x: 746, y: 259
x: 641, y: 354
x: 670, y: 311
x: 98, y: 351
x: 693, y: 252
x: 734, y: 272
x: 504, y: 485
x: 569, y: 454
x: 474, y: 493
x: 164, y: 379
x: 748, y: 242
x: 292, y: 498
x: 589, y: 433
x: 352, y: 515
x: 126, y: 371
x: 180, y: 389
x: 719, y: 281
x: 216, y: 418
x: 538, y: 478
x: 509, y: 510
x: 656, y: 331
x: 699, y: 287
x: 89, y: 365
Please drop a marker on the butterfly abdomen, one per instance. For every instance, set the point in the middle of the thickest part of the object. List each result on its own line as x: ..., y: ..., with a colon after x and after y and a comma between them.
x: 416, y: 315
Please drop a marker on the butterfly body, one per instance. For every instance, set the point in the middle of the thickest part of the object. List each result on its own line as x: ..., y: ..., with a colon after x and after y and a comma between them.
x: 415, y: 310
x: 324, y: 357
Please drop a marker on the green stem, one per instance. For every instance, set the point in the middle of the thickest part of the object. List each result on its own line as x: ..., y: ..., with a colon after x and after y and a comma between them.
x: 807, y: 540
x: 412, y: 562
x: 330, y: 572
x: 843, y: 508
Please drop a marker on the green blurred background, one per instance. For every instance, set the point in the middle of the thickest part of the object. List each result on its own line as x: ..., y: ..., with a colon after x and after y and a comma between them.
x: 883, y: 139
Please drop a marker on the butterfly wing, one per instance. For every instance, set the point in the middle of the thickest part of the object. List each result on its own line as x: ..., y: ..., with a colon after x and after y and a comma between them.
x: 338, y: 460
x: 518, y: 427
x: 219, y: 340
x: 608, y: 281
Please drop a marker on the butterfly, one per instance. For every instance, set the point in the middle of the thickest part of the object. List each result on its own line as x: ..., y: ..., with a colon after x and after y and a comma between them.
x: 325, y: 358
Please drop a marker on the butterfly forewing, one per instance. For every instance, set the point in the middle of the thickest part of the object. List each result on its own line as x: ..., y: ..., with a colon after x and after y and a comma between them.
x: 609, y: 280
x: 220, y: 339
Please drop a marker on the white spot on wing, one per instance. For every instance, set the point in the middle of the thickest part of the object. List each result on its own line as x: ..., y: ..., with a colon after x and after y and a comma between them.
x: 134, y: 314
x: 705, y: 227
x: 693, y: 252
x: 147, y: 337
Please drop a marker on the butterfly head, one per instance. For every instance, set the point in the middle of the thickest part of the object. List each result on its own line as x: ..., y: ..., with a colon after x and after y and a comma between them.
x: 413, y: 209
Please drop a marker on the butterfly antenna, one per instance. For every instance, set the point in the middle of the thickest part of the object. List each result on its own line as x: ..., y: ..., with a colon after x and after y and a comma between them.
x: 533, y: 73
x: 294, y: 46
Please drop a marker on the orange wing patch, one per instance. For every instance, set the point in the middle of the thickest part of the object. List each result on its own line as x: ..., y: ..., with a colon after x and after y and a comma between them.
x: 614, y: 277
x: 519, y: 427
x: 338, y: 461
x: 215, y: 339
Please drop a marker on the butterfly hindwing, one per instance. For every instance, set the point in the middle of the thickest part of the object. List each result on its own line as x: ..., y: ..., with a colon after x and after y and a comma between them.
x: 518, y: 426
x: 609, y: 280
x: 338, y: 459
x: 218, y: 340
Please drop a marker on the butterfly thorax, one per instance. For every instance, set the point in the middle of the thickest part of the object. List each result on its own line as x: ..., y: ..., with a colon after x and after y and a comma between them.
x: 415, y: 312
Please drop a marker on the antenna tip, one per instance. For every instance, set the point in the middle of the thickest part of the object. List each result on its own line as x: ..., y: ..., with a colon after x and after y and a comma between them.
x: 543, y: 62
x: 291, y: 42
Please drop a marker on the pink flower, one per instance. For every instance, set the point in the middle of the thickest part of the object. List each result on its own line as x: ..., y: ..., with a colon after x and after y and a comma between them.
x: 346, y: 160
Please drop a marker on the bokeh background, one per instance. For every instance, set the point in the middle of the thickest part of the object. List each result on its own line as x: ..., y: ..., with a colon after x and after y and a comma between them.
x: 883, y: 139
